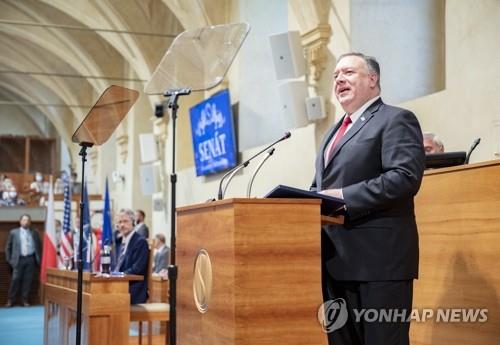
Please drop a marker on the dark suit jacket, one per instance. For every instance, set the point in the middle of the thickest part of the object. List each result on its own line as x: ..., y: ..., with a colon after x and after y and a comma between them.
x: 13, y: 246
x: 161, y: 260
x: 136, y: 262
x: 379, y: 165
x: 143, y: 230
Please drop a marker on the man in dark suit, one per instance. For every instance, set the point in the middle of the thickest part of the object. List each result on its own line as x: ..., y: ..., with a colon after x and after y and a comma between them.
x: 141, y: 227
x: 374, y: 160
x: 161, y: 259
x: 133, y: 256
x: 22, y: 252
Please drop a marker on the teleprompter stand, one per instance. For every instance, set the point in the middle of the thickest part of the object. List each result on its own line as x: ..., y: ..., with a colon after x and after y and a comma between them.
x: 197, y: 60
x: 96, y: 128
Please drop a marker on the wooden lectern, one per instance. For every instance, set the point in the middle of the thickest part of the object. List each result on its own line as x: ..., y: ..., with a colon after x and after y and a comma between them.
x: 256, y: 269
x: 106, y: 308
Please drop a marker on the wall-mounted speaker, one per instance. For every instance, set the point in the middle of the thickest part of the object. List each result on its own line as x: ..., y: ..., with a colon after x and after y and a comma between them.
x: 292, y: 96
x: 150, y: 178
x: 288, y: 55
x: 147, y: 143
x: 315, y: 108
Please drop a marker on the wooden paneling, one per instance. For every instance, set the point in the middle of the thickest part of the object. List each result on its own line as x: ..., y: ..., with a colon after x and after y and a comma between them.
x: 159, y: 289
x: 265, y: 256
x: 105, y: 308
x: 458, y: 216
x: 158, y: 293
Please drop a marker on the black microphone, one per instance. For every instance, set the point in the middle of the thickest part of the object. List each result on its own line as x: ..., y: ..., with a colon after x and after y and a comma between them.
x: 250, y: 183
x: 474, y: 145
x: 234, y: 170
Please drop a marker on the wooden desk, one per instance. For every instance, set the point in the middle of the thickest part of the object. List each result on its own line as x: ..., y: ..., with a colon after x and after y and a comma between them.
x: 458, y: 216
x: 159, y: 289
x: 105, y: 308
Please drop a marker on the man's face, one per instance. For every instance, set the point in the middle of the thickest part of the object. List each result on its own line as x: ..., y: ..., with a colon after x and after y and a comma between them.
x: 124, y: 224
x: 354, y: 85
x: 138, y: 217
x: 158, y: 243
x: 25, y: 222
x: 430, y: 147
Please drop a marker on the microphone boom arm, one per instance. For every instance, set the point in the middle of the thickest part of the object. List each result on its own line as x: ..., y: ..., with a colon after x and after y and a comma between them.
x: 221, y: 193
x: 232, y: 173
x: 250, y: 183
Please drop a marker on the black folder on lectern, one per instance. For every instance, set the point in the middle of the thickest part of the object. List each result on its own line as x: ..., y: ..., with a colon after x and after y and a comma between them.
x: 444, y: 159
x: 330, y: 206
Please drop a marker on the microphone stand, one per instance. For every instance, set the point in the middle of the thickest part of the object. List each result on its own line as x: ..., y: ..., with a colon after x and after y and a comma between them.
x: 250, y: 183
x: 232, y: 172
x: 474, y: 145
x: 83, y: 153
x: 220, y: 194
x: 172, y: 268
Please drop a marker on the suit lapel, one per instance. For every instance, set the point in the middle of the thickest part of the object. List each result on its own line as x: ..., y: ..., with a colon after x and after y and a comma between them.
x: 356, y: 127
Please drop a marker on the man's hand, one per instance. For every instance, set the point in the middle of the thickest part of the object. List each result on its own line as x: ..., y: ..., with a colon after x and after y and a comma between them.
x: 336, y: 193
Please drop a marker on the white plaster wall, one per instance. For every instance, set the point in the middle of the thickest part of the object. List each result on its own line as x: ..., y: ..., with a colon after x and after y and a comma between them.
x: 407, y: 38
x: 260, y: 118
x: 129, y: 193
x: 469, y: 107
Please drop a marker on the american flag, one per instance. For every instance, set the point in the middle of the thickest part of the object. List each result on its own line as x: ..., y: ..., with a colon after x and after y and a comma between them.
x: 66, y: 236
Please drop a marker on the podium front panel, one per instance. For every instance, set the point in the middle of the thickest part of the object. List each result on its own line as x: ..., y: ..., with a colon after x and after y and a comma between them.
x: 266, y: 272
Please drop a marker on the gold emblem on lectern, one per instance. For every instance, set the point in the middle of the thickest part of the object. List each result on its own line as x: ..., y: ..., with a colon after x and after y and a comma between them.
x: 202, y: 280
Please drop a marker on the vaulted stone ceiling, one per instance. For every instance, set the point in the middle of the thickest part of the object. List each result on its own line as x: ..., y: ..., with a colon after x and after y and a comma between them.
x: 45, y: 42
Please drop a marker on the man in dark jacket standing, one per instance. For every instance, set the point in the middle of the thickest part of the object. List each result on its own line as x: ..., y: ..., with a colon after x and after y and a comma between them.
x: 374, y: 160
x: 22, y: 252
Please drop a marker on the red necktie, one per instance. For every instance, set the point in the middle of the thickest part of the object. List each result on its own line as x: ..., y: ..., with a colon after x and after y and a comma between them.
x: 347, y: 121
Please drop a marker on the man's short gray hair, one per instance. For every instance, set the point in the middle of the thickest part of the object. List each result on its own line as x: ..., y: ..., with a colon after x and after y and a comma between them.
x: 130, y: 213
x: 435, y: 139
x: 371, y: 63
x: 161, y: 238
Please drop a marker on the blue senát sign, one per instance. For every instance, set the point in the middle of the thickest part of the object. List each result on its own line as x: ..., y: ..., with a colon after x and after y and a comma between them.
x: 213, y: 134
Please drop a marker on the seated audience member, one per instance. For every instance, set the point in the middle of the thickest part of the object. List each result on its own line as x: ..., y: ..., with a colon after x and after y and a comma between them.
x: 133, y: 256
x: 10, y: 197
x: 37, y: 189
x: 432, y: 143
x: 162, y: 252
x: 37, y: 185
x: 2, y: 181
